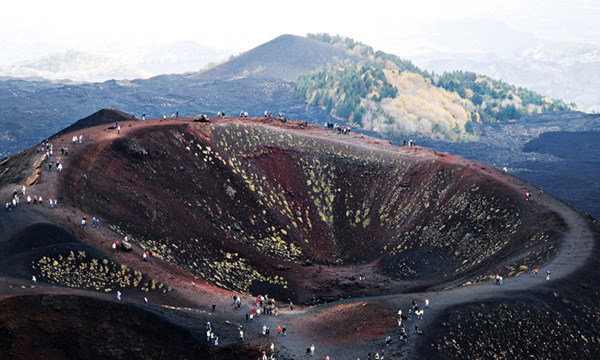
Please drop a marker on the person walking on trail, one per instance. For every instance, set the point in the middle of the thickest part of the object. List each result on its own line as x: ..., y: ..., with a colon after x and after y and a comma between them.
x: 426, y: 303
x: 535, y: 271
x: 145, y: 302
x: 548, y: 275
x: 241, y: 335
x: 312, y: 350
x: 118, y: 295
x: 33, y: 280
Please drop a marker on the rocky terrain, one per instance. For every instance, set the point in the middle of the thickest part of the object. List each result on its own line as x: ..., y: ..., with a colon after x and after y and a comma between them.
x: 341, y: 230
x: 556, y: 152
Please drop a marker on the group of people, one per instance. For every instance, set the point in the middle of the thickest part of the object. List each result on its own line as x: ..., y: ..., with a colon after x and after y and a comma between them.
x: 334, y: 126
x: 118, y: 245
x: 36, y: 200
x: 418, y: 311
x: 409, y: 143
x: 78, y: 139
x: 265, y: 305
x: 211, y: 337
x: 47, y: 148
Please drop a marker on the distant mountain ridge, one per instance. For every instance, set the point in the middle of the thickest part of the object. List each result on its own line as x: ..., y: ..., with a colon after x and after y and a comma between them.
x: 180, y: 57
x: 74, y: 66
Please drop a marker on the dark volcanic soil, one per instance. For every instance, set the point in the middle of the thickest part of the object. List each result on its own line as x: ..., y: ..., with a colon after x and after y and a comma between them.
x: 77, y: 327
x: 302, y: 214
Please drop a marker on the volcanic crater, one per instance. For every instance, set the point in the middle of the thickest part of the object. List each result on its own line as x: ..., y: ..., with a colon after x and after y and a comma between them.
x: 347, y: 227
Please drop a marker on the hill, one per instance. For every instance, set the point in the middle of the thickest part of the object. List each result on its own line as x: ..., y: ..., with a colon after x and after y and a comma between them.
x: 384, y: 93
x: 104, y: 116
x: 284, y: 58
x: 347, y: 227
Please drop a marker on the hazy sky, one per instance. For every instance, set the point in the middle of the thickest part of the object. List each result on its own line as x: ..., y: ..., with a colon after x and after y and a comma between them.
x: 399, y: 27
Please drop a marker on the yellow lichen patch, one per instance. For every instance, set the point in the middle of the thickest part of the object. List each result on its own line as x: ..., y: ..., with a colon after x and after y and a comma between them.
x: 235, y: 273
x: 81, y: 272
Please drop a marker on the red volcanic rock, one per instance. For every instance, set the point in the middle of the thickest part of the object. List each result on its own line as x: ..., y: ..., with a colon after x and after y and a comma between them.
x: 303, y: 214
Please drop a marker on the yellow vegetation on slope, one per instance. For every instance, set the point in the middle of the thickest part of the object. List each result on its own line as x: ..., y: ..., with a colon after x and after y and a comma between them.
x: 421, y: 108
